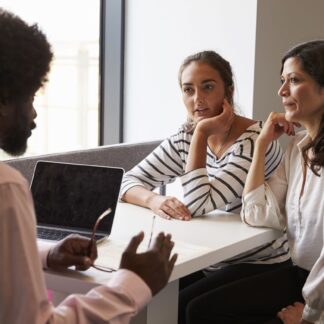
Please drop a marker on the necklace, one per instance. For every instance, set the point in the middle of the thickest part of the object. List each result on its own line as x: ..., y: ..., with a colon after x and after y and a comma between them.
x: 224, y: 142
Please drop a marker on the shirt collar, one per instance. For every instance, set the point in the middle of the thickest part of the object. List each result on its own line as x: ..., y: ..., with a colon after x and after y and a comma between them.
x: 303, y: 142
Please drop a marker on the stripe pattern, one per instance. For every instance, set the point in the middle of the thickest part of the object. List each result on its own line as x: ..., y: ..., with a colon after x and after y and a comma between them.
x: 274, y: 252
x: 218, y: 186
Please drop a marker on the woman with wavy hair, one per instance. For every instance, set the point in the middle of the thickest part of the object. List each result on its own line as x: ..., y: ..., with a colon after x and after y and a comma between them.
x: 292, y: 200
x: 210, y: 155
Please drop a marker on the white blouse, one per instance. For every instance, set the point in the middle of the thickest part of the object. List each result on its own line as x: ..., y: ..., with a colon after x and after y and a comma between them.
x: 279, y: 204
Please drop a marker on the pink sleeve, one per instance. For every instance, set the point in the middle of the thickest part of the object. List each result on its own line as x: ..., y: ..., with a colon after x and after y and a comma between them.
x: 124, y: 296
x: 43, y: 249
x: 22, y: 281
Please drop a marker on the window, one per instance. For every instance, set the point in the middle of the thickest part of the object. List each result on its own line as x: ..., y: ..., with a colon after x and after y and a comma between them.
x: 68, y: 106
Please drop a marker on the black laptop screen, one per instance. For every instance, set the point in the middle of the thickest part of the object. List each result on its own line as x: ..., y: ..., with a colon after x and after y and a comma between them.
x: 74, y: 195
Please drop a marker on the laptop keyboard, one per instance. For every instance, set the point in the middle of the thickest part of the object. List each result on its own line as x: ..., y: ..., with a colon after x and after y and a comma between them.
x: 57, y: 235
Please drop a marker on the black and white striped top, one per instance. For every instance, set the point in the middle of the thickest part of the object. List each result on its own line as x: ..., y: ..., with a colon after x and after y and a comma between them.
x: 218, y: 186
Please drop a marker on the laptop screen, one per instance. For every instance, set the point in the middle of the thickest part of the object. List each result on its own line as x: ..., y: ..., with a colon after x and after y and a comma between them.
x: 74, y: 195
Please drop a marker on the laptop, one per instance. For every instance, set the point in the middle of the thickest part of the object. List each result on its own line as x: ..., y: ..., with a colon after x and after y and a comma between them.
x: 70, y: 197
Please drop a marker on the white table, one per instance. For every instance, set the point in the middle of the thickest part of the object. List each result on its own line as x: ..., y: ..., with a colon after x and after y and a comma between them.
x: 200, y: 242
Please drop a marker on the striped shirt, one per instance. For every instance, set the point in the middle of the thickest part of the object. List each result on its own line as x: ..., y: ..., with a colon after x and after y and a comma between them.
x: 218, y: 186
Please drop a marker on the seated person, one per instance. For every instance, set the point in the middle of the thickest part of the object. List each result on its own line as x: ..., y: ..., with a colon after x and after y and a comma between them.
x: 292, y: 200
x: 25, y: 57
x: 211, y: 155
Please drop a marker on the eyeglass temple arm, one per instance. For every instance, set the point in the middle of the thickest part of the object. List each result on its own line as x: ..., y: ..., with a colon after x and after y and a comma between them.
x: 99, y: 219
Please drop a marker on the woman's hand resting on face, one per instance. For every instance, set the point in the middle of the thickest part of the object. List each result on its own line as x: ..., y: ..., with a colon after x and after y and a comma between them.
x: 274, y: 127
x: 169, y: 207
x: 218, y: 125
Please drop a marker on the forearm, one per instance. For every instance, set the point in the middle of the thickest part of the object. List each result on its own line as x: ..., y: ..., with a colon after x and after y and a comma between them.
x: 117, y: 302
x: 255, y: 177
x: 139, y: 195
x: 197, y: 151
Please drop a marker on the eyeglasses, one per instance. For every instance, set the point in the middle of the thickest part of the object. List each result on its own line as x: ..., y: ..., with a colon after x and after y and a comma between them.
x: 93, y: 240
x: 152, y: 230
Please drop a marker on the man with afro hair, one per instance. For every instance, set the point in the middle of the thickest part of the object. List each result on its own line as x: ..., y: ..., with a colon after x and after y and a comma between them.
x: 25, y: 57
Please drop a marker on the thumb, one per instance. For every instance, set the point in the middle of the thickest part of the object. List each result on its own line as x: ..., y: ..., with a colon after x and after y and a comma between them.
x: 226, y: 105
x: 227, y: 113
x: 134, y: 243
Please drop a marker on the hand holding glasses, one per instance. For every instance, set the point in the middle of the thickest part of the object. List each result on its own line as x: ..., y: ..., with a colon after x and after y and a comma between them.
x: 93, y: 240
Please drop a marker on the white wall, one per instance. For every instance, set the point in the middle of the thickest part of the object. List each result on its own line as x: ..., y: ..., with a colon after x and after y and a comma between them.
x: 280, y: 25
x: 159, y: 35
x: 253, y: 37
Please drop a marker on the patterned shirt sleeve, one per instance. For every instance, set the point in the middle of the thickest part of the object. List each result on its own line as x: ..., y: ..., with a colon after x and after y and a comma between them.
x: 21, y: 276
x: 205, y: 192
x: 159, y: 168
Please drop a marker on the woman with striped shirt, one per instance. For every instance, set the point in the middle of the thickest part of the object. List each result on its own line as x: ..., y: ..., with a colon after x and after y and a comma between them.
x: 211, y: 155
x: 291, y: 199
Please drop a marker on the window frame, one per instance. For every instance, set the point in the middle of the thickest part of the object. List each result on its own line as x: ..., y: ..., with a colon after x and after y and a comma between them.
x: 111, y: 69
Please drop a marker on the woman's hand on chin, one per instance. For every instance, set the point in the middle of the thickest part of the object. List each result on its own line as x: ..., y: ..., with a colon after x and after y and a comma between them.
x: 218, y: 125
x: 274, y: 127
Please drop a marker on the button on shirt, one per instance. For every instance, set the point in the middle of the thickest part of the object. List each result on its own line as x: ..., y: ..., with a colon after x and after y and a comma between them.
x: 23, y: 295
x: 279, y: 204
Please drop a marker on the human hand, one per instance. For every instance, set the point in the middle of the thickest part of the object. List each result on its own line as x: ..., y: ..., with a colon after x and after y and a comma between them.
x: 274, y: 127
x: 74, y: 250
x: 155, y: 265
x: 292, y: 314
x: 169, y: 207
x: 218, y: 125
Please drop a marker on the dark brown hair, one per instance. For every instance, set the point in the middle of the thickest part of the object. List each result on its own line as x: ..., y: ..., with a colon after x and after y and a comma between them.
x: 311, y: 56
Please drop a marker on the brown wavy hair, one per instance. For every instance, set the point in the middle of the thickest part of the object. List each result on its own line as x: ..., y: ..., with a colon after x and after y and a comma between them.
x: 311, y: 56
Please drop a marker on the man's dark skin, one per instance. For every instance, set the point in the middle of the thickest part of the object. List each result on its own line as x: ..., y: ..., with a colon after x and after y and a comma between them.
x: 17, y: 115
x: 153, y: 266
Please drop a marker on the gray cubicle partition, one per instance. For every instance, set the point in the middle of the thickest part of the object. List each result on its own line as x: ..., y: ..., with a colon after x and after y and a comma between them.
x: 117, y: 155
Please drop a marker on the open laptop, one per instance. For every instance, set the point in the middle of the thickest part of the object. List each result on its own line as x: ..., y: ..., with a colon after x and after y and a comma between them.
x: 69, y: 198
